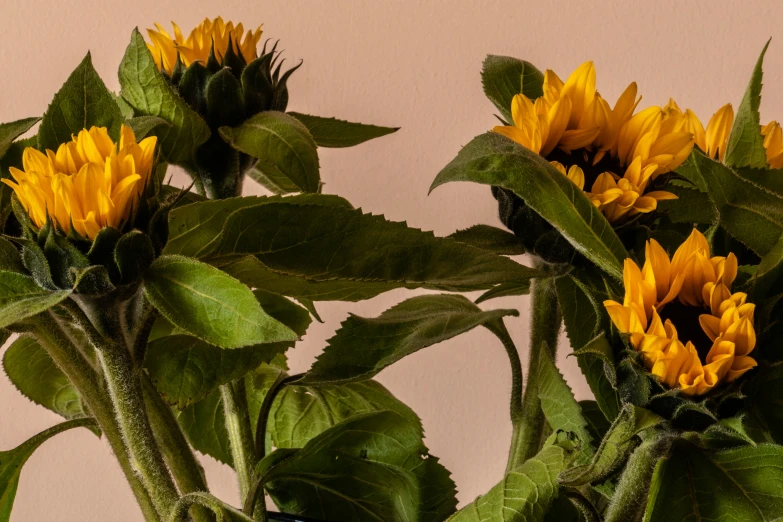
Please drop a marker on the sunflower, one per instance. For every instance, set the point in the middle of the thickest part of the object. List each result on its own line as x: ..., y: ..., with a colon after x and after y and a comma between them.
x: 203, y: 39
x: 88, y: 184
x: 618, y: 153
x: 680, y: 313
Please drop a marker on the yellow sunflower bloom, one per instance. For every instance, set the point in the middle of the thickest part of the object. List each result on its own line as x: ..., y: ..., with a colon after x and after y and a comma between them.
x: 680, y: 313
x: 88, y: 184
x: 200, y: 41
x: 572, y: 124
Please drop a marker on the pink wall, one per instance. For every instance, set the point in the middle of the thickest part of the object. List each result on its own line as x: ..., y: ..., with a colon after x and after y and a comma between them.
x: 407, y: 63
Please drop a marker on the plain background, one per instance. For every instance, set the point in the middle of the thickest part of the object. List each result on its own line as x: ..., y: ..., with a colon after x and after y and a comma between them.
x: 412, y: 64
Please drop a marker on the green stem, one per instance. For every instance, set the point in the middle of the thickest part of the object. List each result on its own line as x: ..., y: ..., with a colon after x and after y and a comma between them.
x: 82, y: 375
x: 240, y: 433
x: 545, y: 320
x: 516, y: 411
x: 187, y: 472
x: 180, y: 511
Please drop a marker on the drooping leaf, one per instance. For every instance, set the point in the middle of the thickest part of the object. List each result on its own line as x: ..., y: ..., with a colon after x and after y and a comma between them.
x: 362, y: 347
x: 372, y: 467
x: 281, y: 144
x: 82, y: 102
x: 331, y: 132
x: 737, y: 484
x: 150, y: 94
x: 12, y: 130
x: 747, y: 209
x: 560, y: 408
x: 495, y: 160
x: 499, y: 241
x: 745, y: 147
x: 618, y: 443
x: 21, y: 297
x: 143, y: 126
x: 210, y: 304
x: 504, y: 77
x: 524, y: 495
x: 12, y: 461
x: 38, y: 378
x: 184, y: 369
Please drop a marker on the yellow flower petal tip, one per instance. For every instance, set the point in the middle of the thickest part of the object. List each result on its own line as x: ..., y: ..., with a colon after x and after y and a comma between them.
x: 88, y: 184
x: 199, y: 43
x: 680, y: 313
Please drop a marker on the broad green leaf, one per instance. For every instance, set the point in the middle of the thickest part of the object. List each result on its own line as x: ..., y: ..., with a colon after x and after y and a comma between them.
x: 691, y: 206
x: 276, y: 184
x: 584, y: 318
x: 334, y: 244
x: 494, y: 239
x: 504, y: 77
x: 769, y: 271
x: 12, y: 130
x: 524, y: 495
x: 766, y: 397
x: 331, y: 132
x: 505, y: 290
x: 743, y: 484
x: 150, y: 94
x: 618, y: 443
x: 372, y: 467
x: 362, y: 347
x: 302, y: 412
x: 38, y: 378
x: 210, y: 304
x: 281, y: 144
x: 195, y: 229
x: 143, y: 126
x: 748, y: 210
x: 82, y: 102
x: 204, y: 425
x: 495, y: 160
x: 12, y: 461
x: 21, y: 297
x: 745, y: 147
x: 185, y: 369
x: 560, y: 408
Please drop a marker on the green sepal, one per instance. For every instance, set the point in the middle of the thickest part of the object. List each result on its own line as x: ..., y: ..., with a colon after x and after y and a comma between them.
x: 225, y: 105
x: 193, y: 86
x: 133, y: 255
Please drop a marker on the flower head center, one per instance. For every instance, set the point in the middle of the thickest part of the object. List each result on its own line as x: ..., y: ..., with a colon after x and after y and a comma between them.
x: 685, y: 319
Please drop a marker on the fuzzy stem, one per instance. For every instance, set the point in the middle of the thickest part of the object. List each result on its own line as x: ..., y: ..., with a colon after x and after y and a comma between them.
x: 516, y: 411
x: 240, y: 433
x: 188, y: 473
x: 545, y: 322
x: 82, y: 375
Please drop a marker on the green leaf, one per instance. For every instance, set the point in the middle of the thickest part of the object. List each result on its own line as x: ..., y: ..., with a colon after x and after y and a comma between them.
x: 769, y: 272
x: 373, y: 467
x: 82, y: 102
x: 504, y: 77
x: 745, y: 147
x: 691, y: 206
x: 618, y: 443
x: 143, y: 126
x: 597, y: 363
x: 499, y: 241
x: 736, y: 484
x: 279, y: 184
x: 38, y: 378
x: 362, y: 347
x: 560, y: 408
x: 524, y: 495
x: 21, y: 297
x: 505, y: 290
x: 12, y: 130
x: 12, y: 461
x: 748, y: 210
x: 150, y: 94
x: 331, y: 132
x: 495, y: 160
x: 210, y: 304
x: 185, y: 369
x: 283, y: 146
x: 204, y: 425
